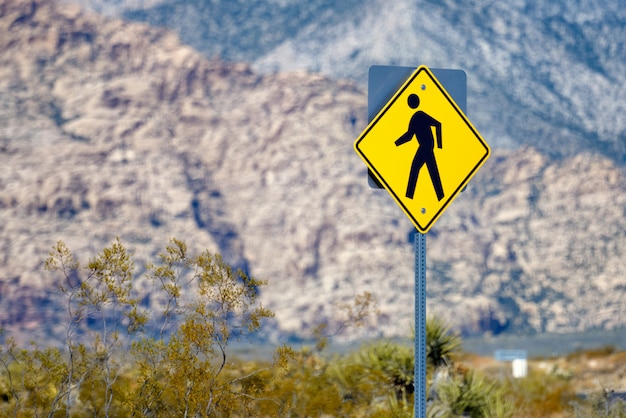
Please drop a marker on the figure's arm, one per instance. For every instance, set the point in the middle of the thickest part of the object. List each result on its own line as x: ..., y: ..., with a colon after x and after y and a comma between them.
x: 438, y: 133
x: 406, y: 137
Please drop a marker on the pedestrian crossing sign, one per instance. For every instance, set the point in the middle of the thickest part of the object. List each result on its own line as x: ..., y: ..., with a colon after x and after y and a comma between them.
x: 422, y: 148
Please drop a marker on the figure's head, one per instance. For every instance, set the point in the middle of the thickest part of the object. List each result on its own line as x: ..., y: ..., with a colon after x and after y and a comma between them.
x: 413, y: 101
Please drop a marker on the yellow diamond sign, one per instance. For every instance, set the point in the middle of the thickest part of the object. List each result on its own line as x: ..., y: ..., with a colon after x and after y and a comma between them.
x: 422, y: 148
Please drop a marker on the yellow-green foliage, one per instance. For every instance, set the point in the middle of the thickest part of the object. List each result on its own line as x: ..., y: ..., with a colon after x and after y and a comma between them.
x: 540, y: 394
x: 182, y: 372
x: 186, y: 372
x: 109, y: 367
x: 32, y: 378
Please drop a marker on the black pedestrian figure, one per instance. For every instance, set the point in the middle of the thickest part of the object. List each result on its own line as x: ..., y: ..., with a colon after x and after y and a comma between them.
x: 420, y: 127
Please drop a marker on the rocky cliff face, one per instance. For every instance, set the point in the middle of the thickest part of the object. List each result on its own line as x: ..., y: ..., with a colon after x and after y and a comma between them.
x: 542, y: 244
x: 527, y: 61
x: 115, y: 129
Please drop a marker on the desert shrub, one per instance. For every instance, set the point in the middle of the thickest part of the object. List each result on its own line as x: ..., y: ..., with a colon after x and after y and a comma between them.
x: 120, y: 360
x: 109, y: 369
x: 603, y: 403
x: 540, y: 394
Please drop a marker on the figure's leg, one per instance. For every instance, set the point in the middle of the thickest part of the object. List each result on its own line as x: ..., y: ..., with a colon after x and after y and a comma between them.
x: 431, y: 164
x: 417, y: 164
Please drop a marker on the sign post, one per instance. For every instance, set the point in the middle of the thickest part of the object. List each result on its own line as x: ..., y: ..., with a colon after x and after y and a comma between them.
x: 423, y: 150
x: 419, y: 365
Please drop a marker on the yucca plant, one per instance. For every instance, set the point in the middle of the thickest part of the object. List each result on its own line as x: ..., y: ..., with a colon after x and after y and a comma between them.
x: 468, y: 394
x: 441, y: 343
x: 392, y: 361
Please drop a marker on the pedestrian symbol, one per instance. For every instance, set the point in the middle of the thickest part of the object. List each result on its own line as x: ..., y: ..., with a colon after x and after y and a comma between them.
x: 420, y: 128
x: 422, y: 148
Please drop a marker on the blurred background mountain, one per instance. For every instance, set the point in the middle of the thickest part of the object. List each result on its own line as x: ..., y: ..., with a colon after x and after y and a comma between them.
x: 540, y: 74
x: 230, y: 124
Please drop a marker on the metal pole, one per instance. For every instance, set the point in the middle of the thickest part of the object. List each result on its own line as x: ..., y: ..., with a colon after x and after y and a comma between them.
x: 419, y: 379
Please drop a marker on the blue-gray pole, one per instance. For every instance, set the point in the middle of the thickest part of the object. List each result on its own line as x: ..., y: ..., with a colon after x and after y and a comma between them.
x: 419, y: 378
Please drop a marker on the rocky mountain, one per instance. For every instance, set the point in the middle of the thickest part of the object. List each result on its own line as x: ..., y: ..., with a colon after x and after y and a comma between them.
x: 544, y: 74
x: 110, y: 128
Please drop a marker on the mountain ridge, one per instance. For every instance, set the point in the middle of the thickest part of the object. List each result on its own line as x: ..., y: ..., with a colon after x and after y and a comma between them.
x: 112, y: 128
x: 535, y: 71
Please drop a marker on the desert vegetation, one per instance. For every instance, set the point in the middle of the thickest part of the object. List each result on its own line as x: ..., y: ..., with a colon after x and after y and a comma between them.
x: 119, y: 359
